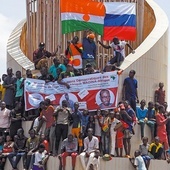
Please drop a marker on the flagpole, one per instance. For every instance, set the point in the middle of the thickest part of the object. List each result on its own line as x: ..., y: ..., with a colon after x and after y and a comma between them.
x: 59, y: 24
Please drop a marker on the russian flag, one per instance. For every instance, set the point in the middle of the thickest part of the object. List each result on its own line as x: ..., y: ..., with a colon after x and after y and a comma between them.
x: 120, y: 21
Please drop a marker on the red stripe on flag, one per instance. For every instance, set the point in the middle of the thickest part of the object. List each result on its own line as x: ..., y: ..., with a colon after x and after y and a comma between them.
x: 123, y: 33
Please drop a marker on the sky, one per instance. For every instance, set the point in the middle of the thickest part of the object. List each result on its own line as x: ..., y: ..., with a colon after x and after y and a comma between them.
x: 12, y: 12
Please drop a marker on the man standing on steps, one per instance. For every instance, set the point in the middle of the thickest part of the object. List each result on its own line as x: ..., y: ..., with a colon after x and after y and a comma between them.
x: 9, y: 85
x: 62, y: 116
x: 160, y: 94
x: 129, y: 90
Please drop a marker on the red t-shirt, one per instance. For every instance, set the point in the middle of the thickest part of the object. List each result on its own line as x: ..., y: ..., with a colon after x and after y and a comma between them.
x: 48, y: 113
x: 160, y: 96
x: 161, y: 126
x: 46, y: 144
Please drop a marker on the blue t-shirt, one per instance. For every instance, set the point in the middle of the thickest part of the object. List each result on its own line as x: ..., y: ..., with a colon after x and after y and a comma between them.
x: 84, y: 120
x: 131, y: 86
x: 150, y: 114
x: 141, y: 114
x: 19, y: 91
x: 89, y: 49
x: 53, y: 70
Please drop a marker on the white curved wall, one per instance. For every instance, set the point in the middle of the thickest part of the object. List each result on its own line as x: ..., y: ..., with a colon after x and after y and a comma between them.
x: 151, y: 58
x: 150, y: 63
x: 15, y: 57
x: 114, y: 164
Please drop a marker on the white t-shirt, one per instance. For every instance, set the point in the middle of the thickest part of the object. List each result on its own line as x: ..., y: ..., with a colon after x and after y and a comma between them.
x: 119, y: 47
x: 97, y: 127
x: 39, y: 157
x: 114, y: 122
x: 91, y: 145
x: 139, y: 162
x: 4, y: 118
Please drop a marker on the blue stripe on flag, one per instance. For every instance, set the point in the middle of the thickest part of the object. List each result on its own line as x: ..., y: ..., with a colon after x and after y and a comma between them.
x: 120, y: 20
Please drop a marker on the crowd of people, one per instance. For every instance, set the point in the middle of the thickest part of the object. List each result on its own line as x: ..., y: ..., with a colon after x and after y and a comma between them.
x: 91, y: 135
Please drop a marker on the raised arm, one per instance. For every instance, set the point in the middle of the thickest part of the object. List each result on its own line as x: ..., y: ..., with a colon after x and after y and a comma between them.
x: 104, y: 46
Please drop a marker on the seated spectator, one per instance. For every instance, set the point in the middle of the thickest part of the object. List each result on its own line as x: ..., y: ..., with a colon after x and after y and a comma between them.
x: 2, y: 161
x: 39, y: 56
x: 91, y: 145
x: 4, y: 118
x: 144, y: 149
x: 45, y: 76
x: 41, y: 158
x: 8, y: 145
x: 66, y: 61
x: 160, y: 94
x: 110, y: 67
x: 156, y: 149
x: 161, y: 129
x: 7, y: 149
x: 65, y: 74
x: 31, y: 145
x: 69, y: 148
x: 53, y: 70
x: 89, y: 69
x: 150, y: 119
x: 45, y: 142
x: 141, y: 115
x: 19, y: 148
x: 1, y: 143
x: 115, y: 124
x: 138, y: 163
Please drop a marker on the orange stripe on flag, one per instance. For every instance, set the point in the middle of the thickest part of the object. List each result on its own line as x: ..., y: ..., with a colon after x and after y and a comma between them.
x: 83, y: 7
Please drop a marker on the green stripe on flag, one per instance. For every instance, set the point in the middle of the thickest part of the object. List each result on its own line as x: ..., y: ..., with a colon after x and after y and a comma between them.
x: 75, y: 25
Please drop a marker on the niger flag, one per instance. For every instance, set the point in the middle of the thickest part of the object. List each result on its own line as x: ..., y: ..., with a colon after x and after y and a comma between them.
x: 77, y: 15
